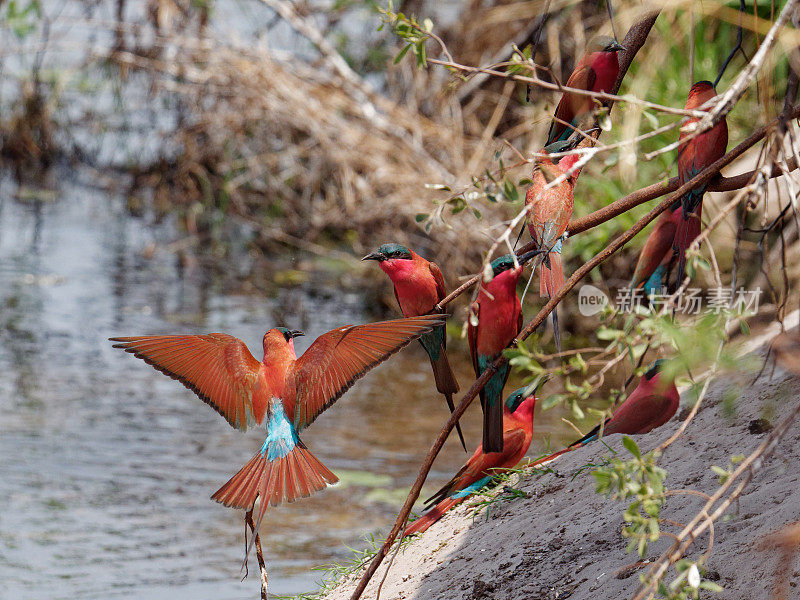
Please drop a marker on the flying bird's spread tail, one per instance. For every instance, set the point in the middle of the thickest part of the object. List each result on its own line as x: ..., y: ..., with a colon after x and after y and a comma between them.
x: 285, y: 479
x: 282, y: 471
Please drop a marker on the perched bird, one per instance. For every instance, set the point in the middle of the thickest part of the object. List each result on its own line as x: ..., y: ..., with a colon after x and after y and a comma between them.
x: 282, y: 391
x: 650, y: 405
x: 495, y: 319
x: 418, y: 288
x: 482, y: 466
x: 699, y: 152
x: 657, y: 256
x: 597, y: 72
x: 549, y: 212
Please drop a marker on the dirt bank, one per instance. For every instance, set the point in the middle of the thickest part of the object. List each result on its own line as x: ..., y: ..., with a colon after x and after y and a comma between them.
x: 563, y: 540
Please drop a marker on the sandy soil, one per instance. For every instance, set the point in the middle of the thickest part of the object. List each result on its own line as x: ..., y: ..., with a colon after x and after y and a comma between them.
x: 563, y: 540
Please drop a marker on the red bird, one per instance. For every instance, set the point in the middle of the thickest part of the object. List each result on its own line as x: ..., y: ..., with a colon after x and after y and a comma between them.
x: 482, y: 467
x: 653, y: 403
x: 597, y: 71
x: 499, y: 320
x: 549, y: 212
x: 418, y: 288
x: 283, y: 392
x: 695, y: 155
x: 657, y: 257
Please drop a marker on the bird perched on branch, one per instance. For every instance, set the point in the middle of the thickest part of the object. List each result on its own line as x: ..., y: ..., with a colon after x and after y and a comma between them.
x: 282, y: 392
x: 482, y: 466
x: 657, y: 256
x: 549, y: 212
x: 653, y: 403
x: 597, y: 71
x: 697, y: 153
x: 418, y: 288
x: 495, y: 319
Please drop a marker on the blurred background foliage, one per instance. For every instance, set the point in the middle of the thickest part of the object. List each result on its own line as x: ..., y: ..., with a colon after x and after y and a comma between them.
x: 268, y: 124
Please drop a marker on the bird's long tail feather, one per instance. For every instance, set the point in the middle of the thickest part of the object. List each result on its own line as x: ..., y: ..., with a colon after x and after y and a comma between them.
x: 688, y: 229
x: 433, y: 515
x: 492, y: 425
x: 552, y: 280
x: 589, y: 437
x: 551, y: 277
x: 284, y: 479
x: 447, y: 385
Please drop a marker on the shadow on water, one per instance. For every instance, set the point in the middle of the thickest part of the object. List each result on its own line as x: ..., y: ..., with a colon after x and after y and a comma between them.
x: 106, y: 466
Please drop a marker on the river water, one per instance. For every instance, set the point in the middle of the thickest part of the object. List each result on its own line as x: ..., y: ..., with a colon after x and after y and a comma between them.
x: 106, y: 466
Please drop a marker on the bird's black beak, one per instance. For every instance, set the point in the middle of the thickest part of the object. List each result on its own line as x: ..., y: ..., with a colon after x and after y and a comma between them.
x: 295, y: 333
x: 617, y: 46
x: 375, y: 256
x: 528, y: 255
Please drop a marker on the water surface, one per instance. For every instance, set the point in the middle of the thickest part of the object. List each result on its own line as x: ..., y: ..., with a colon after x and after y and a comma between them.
x: 106, y: 466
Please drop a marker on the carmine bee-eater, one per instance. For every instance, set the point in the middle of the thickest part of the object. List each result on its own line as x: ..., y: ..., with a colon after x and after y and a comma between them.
x: 657, y: 257
x: 596, y: 72
x: 283, y: 392
x: 495, y: 320
x: 482, y: 467
x: 418, y: 288
x: 549, y: 212
x: 650, y: 405
x: 699, y: 152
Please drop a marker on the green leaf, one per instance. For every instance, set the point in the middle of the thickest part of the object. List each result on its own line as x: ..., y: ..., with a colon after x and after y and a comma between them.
x: 402, y: 53
x: 552, y: 400
x: 631, y: 446
x: 652, y: 119
x: 711, y: 586
x: 605, y: 333
x: 421, y: 217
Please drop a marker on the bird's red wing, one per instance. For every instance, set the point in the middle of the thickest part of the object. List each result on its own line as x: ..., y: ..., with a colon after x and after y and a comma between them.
x: 572, y: 105
x: 658, y: 244
x: 638, y: 414
x: 217, y: 367
x: 582, y: 78
x: 480, y: 465
x: 338, y: 358
x: 441, y: 291
x: 513, y: 439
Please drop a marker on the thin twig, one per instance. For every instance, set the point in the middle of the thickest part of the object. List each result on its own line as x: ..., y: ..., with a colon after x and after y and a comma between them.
x: 248, y: 519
